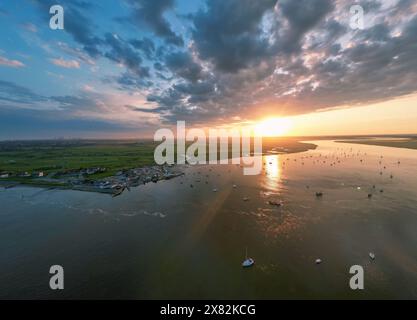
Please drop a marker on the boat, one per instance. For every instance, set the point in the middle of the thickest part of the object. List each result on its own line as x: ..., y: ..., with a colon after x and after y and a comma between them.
x: 274, y: 203
x: 118, y: 192
x: 248, y: 262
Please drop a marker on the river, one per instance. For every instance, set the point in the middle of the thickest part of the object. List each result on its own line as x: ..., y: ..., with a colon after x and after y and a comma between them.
x: 171, y: 240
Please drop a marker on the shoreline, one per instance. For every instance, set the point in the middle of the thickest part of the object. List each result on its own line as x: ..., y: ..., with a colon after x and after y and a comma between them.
x: 115, y: 184
x: 394, y: 143
x: 112, y: 185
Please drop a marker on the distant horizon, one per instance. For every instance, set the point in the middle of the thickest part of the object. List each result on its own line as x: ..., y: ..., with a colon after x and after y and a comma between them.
x: 400, y: 135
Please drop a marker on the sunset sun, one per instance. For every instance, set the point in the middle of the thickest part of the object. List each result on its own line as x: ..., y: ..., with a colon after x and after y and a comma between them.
x: 273, y: 127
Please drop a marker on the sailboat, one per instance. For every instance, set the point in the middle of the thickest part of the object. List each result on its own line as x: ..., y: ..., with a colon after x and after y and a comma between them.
x: 248, y: 262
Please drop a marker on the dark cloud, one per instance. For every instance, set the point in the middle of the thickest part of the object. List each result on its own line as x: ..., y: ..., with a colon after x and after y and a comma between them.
x: 31, y: 124
x: 195, y: 89
x: 228, y: 33
x: 76, y: 22
x: 145, y: 45
x: 13, y: 93
x: 73, y: 103
x: 169, y: 98
x: 151, y: 14
x: 146, y: 110
x: 302, y: 15
x: 131, y: 81
x: 330, y: 31
x: 122, y: 52
x: 182, y: 65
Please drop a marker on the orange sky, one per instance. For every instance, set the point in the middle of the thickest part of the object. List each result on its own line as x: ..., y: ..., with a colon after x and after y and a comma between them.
x: 396, y: 116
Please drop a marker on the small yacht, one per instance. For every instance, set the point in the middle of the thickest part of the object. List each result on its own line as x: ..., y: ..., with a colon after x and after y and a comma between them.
x: 248, y: 262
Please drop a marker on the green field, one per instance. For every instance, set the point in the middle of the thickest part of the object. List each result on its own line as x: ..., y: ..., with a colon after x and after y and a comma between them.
x: 61, y: 156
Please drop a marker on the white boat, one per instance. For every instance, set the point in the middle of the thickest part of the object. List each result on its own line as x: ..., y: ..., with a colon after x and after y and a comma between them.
x: 248, y: 262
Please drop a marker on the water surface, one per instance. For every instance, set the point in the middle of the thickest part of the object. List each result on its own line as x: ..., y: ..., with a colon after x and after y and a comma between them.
x: 170, y: 241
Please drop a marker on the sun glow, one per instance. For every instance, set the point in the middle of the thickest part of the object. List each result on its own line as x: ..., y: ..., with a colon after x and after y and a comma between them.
x: 273, y: 127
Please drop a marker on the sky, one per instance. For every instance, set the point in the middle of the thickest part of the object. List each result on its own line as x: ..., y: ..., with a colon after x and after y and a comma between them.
x: 125, y: 68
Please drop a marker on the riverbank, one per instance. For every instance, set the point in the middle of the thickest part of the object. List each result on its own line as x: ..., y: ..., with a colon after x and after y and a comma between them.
x: 113, y: 185
x: 407, y: 143
x: 98, y: 166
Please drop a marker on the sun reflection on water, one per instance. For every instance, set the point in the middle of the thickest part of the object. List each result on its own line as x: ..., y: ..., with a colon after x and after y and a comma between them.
x: 272, y: 171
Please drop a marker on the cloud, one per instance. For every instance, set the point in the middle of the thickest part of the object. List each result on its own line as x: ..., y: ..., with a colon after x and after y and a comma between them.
x: 146, y: 45
x: 10, y: 63
x: 72, y: 102
x: 242, y: 58
x: 182, y: 65
x: 26, y: 114
x: 122, y: 52
x: 69, y: 64
x: 13, y: 93
x: 77, y: 24
x: 145, y: 110
x: 88, y: 88
x: 31, y: 124
x: 287, y: 57
x: 302, y: 16
x: 151, y: 14
x: 78, y: 53
x: 131, y: 81
x: 229, y: 33
x: 30, y: 27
